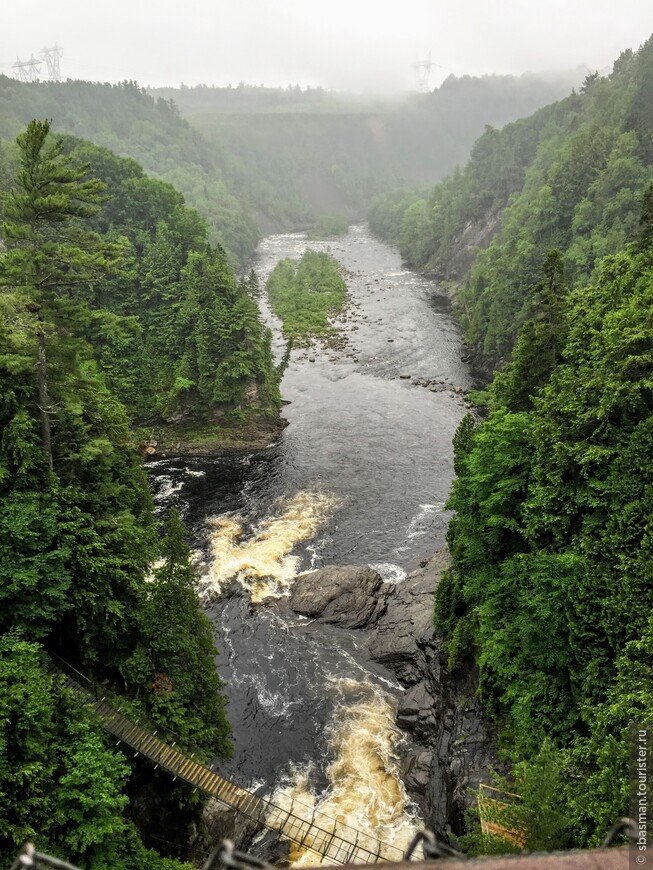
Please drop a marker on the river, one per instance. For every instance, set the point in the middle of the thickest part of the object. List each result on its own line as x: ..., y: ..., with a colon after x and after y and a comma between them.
x: 360, y: 475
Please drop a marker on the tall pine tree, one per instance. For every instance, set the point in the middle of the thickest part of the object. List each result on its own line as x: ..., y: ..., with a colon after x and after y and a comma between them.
x: 49, y: 251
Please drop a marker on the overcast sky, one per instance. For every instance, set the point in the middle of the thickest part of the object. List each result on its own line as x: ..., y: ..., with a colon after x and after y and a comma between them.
x: 342, y: 44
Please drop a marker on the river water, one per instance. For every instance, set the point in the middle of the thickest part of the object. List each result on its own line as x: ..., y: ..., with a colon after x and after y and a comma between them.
x: 360, y: 475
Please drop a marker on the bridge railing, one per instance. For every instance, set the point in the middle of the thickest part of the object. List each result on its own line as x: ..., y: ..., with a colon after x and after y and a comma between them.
x: 305, y: 825
x: 100, y: 691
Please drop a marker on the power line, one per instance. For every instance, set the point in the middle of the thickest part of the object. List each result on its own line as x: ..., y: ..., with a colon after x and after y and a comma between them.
x: 30, y: 70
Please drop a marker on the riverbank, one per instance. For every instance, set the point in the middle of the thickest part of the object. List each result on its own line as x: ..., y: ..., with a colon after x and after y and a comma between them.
x: 256, y: 433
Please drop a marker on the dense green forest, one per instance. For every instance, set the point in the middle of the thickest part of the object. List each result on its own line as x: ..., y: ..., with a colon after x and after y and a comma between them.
x: 121, y: 319
x: 125, y: 119
x: 177, y: 338
x: 552, y: 539
x: 114, y: 309
x: 305, y: 294
x: 546, y: 237
x: 252, y: 159
x: 341, y: 150
x: 570, y: 177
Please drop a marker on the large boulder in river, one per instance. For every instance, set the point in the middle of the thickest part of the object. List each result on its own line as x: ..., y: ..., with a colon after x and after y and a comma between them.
x: 407, y: 622
x: 348, y: 595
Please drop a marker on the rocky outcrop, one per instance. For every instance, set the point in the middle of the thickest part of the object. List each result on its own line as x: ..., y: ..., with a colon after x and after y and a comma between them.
x: 407, y: 618
x: 452, y: 744
x: 350, y: 595
x: 476, y: 234
x: 440, y: 711
x: 256, y: 433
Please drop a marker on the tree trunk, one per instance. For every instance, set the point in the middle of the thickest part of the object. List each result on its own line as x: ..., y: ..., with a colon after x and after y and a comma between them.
x: 44, y: 399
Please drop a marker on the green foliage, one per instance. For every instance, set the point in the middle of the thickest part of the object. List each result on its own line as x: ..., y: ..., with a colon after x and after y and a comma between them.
x: 413, y: 240
x: 540, y: 341
x: 479, y: 398
x: 157, y: 350
x: 175, y: 654
x: 60, y: 783
x: 645, y: 238
x: 571, y: 177
x: 47, y: 249
x: 126, y: 120
x: 462, y: 442
x: 329, y: 226
x: 193, y: 337
x: 297, y: 155
x: 284, y: 156
x: 530, y: 806
x: 540, y: 812
x: 49, y: 252
x: 606, y: 751
x: 552, y: 538
x: 225, y: 351
x: 78, y: 533
x: 305, y: 294
x: 460, y: 646
x: 386, y: 215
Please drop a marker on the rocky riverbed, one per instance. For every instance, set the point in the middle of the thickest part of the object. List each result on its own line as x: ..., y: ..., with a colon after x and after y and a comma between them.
x: 451, y: 744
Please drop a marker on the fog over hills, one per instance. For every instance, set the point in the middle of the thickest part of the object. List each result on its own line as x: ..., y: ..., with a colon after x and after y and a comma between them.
x: 357, y: 46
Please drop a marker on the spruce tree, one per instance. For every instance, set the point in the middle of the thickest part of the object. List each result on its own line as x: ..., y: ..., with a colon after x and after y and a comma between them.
x: 49, y: 251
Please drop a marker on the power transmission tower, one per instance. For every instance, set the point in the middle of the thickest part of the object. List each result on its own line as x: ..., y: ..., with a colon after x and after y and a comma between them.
x: 423, y: 73
x: 27, y: 70
x: 52, y: 57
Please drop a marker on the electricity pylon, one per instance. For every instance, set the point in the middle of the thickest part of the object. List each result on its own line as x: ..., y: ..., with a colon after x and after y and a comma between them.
x: 27, y: 70
x: 30, y: 70
x: 423, y: 73
x: 52, y: 57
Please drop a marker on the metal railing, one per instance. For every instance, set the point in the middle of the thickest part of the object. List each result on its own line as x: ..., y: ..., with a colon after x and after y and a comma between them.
x: 304, y: 826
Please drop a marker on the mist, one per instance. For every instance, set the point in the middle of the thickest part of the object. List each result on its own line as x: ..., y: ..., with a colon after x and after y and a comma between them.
x: 357, y: 45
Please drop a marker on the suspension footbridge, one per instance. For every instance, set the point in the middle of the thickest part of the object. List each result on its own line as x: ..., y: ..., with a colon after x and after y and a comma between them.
x: 309, y: 830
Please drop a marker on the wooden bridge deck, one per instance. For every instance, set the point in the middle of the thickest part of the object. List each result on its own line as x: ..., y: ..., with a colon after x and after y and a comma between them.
x: 331, y: 840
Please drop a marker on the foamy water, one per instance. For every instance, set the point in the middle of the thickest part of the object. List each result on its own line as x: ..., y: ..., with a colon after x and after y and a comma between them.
x: 365, y: 794
x: 263, y: 562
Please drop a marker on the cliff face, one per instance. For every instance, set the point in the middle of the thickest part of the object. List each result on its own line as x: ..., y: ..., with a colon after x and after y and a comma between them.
x: 475, y: 236
x: 452, y: 745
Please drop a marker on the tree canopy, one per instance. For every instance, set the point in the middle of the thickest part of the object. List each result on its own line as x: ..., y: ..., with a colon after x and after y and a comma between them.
x: 78, y: 532
x: 571, y: 178
x: 552, y: 539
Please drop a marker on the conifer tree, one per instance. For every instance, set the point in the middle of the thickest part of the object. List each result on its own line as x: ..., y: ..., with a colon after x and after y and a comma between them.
x: 540, y: 342
x: 49, y: 251
x: 645, y: 238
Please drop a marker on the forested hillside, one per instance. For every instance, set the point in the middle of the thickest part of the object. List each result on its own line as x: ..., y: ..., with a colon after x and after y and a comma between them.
x: 177, y: 340
x: 306, y: 153
x: 114, y: 309
x: 552, y: 543
x: 131, y: 123
x: 570, y: 177
x: 550, y: 592
x: 267, y: 159
x: 547, y: 235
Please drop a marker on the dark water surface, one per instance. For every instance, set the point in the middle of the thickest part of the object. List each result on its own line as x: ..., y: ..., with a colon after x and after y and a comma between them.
x: 367, y: 458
